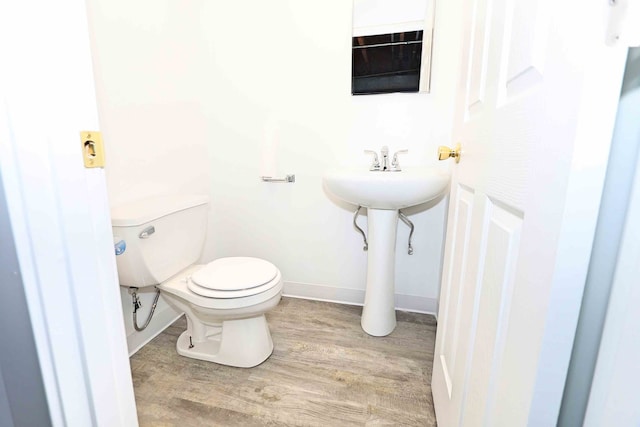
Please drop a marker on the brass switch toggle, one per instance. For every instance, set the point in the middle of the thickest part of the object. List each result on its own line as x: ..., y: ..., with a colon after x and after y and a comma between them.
x: 92, y: 149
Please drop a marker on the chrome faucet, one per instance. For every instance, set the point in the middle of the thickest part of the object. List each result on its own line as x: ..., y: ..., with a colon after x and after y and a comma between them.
x: 384, y: 154
x: 375, y: 164
x: 395, y: 164
x: 382, y: 163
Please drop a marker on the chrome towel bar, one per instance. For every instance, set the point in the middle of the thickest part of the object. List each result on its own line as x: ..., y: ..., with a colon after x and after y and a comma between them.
x: 288, y: 178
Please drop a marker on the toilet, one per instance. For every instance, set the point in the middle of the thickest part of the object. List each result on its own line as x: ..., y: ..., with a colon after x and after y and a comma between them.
x: 158, y: 242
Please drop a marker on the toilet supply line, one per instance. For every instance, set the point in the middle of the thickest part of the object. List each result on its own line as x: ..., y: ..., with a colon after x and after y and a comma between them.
x: 137, y: 304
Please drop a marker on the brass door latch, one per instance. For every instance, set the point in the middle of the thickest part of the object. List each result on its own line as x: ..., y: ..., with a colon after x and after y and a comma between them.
x: 92, y: 149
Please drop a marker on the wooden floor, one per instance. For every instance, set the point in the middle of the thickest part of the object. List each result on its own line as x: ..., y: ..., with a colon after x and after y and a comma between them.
x: 324, y: 371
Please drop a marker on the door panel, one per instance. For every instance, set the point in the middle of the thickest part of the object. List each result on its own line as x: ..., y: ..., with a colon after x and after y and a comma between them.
x: 478, y: 54
x: 455, y: 277
x: 499, y: 255
x: 526, y: 35
x: 526, y: 123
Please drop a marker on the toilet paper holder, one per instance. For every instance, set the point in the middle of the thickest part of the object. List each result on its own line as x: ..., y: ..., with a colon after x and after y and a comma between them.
x: 288, y: 178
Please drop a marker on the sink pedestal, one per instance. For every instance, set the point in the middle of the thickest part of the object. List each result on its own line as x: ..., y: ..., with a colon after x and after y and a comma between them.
x: 378, y: 313
x: 383, y: 194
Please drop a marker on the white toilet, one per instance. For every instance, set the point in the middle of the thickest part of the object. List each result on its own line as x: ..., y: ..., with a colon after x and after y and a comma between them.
x: 158, y: 241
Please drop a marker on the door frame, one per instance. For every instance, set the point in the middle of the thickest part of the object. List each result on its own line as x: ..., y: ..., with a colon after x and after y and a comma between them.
x: 59, y: 213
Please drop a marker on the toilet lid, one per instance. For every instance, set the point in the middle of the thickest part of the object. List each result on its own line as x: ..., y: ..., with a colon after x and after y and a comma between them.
x: 233, y: 277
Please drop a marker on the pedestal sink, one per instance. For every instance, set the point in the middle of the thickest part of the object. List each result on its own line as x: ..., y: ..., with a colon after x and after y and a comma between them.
x: 383, y: 194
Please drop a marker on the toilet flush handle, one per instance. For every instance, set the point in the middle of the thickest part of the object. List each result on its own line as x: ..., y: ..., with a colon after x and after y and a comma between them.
x: 144, y: 234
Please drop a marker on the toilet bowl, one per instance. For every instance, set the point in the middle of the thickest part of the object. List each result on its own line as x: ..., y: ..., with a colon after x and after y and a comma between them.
x: 230, y: 328
x: 158, y: 242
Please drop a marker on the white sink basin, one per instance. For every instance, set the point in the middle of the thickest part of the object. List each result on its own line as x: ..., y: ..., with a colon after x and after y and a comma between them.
x: 386, y: 190
x: 383, y: 194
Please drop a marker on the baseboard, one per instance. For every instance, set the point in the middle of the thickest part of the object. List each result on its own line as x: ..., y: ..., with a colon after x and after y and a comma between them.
x: 161, y: 320
x: 350, y: 296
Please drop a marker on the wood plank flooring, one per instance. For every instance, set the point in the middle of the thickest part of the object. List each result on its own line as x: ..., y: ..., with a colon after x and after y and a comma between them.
x: 324, y: 371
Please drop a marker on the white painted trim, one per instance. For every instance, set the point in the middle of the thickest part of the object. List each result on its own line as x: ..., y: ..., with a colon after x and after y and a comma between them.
x: 164, y: 318
x: 59, y: 213
x: 398, y: 27
x: 25, y: 254
x: 161, y: 320
x: 613, y: 396
x: 323, y: 293
x: 351, y: 296
x: 602, y: 81
x: 417, y: 304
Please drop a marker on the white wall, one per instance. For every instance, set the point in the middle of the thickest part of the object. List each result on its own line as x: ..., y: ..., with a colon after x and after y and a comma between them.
x: 205, y: 97
x: 392, y: 16
x: 149, y: 73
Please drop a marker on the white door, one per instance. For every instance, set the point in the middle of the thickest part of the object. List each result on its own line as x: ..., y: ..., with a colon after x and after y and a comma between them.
x: 535, y: 108
x: 59, y: 213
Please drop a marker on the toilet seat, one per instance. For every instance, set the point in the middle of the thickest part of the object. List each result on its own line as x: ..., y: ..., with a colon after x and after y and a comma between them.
x: 178, y: 286
x: 233, y: 277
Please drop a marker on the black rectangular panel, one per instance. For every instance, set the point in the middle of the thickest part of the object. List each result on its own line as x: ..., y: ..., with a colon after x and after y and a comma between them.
x: 386, y: 63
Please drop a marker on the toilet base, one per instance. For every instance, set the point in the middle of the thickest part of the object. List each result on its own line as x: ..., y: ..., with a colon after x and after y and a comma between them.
x: 243, y: 343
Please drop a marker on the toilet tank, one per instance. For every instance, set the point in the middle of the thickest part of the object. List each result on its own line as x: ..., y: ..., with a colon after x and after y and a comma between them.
x: 155, y: 238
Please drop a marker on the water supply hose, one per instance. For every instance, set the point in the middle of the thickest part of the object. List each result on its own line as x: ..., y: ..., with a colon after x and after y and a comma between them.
x: 355, y: 224
x: 137, y: 304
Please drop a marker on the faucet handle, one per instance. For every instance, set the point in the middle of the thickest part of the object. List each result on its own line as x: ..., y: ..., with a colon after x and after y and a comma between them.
x: 395, y: 164
x: 375, y: 165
